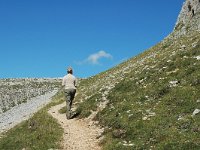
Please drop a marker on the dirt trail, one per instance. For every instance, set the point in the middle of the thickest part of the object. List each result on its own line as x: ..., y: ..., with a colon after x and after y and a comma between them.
x: 79, y: 134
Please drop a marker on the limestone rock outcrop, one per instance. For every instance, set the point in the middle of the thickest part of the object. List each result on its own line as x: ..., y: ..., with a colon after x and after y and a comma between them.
x: 188, y: 19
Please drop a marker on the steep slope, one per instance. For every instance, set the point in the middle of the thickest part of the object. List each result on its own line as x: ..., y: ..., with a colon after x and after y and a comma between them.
x: 151, y: 101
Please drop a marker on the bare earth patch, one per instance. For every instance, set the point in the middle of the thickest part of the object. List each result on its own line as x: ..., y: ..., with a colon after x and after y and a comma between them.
x: 79, y: 134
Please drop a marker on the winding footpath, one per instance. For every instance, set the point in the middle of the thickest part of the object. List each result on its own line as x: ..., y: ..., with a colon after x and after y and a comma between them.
x: 79, y: 134
x: 24, y: 111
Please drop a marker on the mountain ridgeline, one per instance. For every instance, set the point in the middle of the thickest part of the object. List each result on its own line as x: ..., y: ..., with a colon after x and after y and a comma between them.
x: 151, y: 101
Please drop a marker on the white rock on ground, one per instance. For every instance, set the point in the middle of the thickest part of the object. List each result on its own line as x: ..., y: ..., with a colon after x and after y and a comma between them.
x: 24, y: 111
x: 197, y: 57
x: 195, y: 112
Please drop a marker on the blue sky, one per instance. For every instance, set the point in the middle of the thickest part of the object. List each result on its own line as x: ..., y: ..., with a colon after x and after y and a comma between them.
x: 40, y: 38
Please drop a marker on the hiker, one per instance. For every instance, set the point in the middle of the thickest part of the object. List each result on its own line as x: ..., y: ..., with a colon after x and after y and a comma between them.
x: 69, y: 83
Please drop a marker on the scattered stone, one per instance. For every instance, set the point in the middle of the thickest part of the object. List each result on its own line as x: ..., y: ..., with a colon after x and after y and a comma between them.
x: 151, y: 114
x: 169, y: 60
x: 195, y: 112
x: 180, y: 118
x: 197, y: 57
x: 173, y: 83
x: 183, y: 47
x: 130, y: 115
x: 164, y: 67
x: 127, y: 144
x: 173, y: 71
x: 128, y: 111
x: 144, y: 118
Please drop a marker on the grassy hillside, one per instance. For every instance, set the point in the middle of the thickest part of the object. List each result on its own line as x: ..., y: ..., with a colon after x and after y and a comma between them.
x: 150, y: 98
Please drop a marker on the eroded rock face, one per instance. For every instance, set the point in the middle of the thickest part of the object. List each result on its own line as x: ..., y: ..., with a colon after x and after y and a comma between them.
x: 188, y: 19
x: 190, y: 9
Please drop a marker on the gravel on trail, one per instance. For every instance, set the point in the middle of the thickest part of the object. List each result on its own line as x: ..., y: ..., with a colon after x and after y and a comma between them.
x: 24, y: 111
x: 79, y: 134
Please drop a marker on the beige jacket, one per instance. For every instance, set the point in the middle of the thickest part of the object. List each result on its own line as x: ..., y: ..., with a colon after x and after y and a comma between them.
x: 69, y: 81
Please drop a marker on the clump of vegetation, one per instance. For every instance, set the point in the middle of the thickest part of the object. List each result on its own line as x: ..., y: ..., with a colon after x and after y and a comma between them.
x: 179, y: 26
x: 85, y: 109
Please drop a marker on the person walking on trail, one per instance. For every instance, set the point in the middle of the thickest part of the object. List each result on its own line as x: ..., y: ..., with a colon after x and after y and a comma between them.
x: 69, y: 83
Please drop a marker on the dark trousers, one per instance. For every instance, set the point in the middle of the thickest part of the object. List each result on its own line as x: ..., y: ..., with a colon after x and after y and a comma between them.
x: 69, y: 95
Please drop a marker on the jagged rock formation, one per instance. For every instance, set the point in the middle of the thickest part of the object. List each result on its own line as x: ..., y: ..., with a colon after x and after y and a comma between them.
x: 16, y: 91
x: 190, y: 9
x: 188, y: 19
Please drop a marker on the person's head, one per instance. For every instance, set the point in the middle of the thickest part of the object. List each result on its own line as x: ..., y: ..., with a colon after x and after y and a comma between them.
x: 70, y: 70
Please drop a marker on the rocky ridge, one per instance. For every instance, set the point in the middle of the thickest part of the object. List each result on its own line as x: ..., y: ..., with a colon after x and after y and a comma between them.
x: 16, y: 91
x: 22, y: 112
x: 188, y: 19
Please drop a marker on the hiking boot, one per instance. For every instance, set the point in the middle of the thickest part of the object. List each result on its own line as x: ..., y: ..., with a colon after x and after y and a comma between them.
x: 68, y: 116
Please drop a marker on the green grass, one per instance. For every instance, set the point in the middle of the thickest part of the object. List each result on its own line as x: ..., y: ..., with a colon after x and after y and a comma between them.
x: 62, y: 110
x: 85, y: 109
x: 40, y: 132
